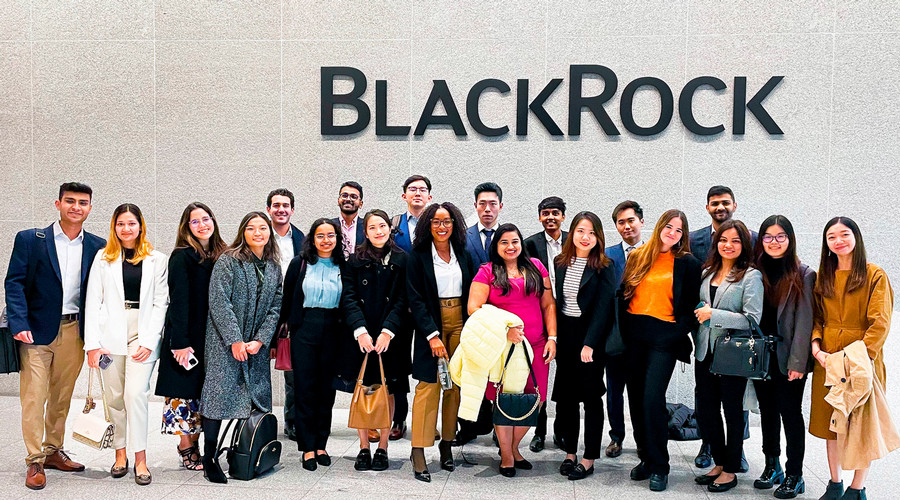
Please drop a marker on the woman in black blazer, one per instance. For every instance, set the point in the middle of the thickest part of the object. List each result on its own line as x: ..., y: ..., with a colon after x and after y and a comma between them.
x: 375, y: 307
x: 585, y: 291
x: 439, y: 273
x: 656, y: 331
x: 788, y: 315
x: 197, y: 247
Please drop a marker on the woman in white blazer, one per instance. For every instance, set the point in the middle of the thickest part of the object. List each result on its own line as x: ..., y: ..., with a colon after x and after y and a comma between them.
x: 125, y: 309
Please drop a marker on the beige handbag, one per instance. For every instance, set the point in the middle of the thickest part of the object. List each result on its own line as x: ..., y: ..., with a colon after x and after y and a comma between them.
x: 370, y: 407
x: 91, y: 429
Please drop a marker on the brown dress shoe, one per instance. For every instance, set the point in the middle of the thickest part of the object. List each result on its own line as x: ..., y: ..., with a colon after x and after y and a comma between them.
x: 61, y: 461
x: 397, y: 431
x: 614, y: 449
x: 34, y: 477
x: 374, y: 436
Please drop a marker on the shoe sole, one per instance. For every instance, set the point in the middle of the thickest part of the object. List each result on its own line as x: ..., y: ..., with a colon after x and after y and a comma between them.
x: 35, y: 487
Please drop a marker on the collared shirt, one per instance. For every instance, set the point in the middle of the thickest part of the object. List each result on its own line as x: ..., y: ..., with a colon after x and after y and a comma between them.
x: 322, y: 285
x: 447, y: 277
x: 348, y: 236
x: 554, y: 248
x: 68, y: 253
x: 411, y: 222
x: 286, y: 249
x: 629, y: 248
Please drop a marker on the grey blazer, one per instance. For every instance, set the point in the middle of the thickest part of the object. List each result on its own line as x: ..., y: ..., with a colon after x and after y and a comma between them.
x: 733, y: 300
x: 795, y: 322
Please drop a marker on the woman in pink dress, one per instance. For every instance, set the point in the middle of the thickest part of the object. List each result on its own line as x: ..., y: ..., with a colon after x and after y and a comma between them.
x: 521, y: 285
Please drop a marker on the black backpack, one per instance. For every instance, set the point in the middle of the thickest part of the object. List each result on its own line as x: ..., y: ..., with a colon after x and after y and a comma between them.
x: 254, y: 448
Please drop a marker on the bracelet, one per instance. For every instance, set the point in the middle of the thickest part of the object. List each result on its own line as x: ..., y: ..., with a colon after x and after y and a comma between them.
x: 553, y: 338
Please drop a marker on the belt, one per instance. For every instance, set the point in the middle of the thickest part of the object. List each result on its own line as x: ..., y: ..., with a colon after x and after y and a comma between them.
x: 69, y: 317
x: 454, y: 302
x: 132, y: 304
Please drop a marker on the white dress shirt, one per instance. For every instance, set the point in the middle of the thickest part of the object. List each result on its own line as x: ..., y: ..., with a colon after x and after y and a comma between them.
x: 411, y: 222
x: 447, y: 276
x: 627, y: 249
x: 68, y: 253
x: 481, y: 229
x: 554, y: 248
x: 285, y: 249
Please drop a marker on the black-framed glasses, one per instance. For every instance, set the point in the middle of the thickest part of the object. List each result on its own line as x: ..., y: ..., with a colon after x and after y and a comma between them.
x: 441, y: 222
x: 349, y: 196
x: 780, y: 238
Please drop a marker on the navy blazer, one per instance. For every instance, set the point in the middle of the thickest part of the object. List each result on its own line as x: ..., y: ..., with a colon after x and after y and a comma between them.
x: 617, y: 254
x: 701, y: 242
x: 297, y: 239
x: 401, y: 232
x: 360, y: 229
x: 536, y: 245
x: 33, y: 284
x: 474, y: 247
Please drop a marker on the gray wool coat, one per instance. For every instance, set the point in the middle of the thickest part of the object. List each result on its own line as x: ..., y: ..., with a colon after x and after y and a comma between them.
x: 232, y: 388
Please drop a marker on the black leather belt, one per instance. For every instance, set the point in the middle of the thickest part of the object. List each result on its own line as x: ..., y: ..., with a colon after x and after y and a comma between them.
x: 69, y: 317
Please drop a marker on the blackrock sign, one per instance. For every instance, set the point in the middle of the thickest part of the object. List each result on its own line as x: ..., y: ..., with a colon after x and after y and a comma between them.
x: 578, y: 104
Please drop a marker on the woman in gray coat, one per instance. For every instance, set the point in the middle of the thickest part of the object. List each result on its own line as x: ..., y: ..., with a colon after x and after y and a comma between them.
x: 730, y: 291
x: 244, y: 303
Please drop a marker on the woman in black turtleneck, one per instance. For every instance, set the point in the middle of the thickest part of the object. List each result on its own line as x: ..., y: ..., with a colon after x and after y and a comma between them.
x: 788, y: 314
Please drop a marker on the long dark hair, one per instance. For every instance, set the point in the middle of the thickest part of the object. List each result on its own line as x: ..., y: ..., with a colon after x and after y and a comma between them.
x: 309, y: 253
x: 457, y: 236
x: 788, y: 264
x: 241, y: 251
x: 186, y: 239
x: 714, y: 262
x: 366, y: 250
x: 642, y: 258
x: 828, y: 262
x: 597, y: 258
x: 534, y: 282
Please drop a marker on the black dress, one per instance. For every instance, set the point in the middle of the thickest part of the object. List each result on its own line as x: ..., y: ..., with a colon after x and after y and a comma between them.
x: 185, y: 324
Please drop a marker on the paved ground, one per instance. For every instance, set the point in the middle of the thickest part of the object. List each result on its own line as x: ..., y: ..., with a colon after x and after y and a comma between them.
x: 341, y: 481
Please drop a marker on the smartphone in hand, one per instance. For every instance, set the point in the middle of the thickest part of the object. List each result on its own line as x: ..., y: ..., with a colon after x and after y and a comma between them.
x: 191, y: 361
x: 105, y: 361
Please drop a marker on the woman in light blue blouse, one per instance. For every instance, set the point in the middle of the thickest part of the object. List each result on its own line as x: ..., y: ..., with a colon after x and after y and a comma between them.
x: 311, y: 310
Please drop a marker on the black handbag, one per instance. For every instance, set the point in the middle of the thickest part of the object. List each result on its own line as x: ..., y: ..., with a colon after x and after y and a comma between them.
x: 254, y: 448
x: 520, y: 410
x: 743, y: 353
x: 9, y: 347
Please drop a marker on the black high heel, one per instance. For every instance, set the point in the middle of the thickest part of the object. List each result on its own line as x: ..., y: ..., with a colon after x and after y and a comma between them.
x: 446, y: 455
x: 418, y: 454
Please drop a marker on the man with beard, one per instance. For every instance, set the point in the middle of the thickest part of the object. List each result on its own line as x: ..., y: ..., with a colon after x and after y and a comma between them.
x: 545, y: 246
x: 350, y: 200
x: 721, y: 206
x: 280, y: 207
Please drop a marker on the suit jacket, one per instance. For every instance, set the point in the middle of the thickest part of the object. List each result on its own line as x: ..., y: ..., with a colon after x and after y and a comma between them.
x: 297, y: 238
x: 33, y: 283
x: 360, y: 231
x: 596, y: 299
x: 795, y: 322
x: 536, y: 244
x: 474, y: 247
x: 733, y: 300
x: 701, y: 242
x: 421, y: 288
x: 106, y: 320
x: 401, y: 232
x: 617, y: 254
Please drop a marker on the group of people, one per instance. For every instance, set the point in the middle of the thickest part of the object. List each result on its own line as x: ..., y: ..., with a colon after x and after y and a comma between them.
x: 402, y: 287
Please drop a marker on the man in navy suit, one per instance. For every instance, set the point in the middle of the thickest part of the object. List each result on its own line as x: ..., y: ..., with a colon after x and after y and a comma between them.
x: 280, y: 207
x: 45, y: 290
x: 417, y: 195
x: 720, y: 205
x: 350, y: 200
x: 628, y: 217
x: 488, y: 203
x: 545, y: 246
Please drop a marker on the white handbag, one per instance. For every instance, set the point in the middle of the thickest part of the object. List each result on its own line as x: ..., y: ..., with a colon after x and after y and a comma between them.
x: 89, y: 428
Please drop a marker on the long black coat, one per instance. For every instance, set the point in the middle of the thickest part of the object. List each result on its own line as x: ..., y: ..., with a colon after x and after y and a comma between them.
x: 374, y: 297
x: 185, y: 324
x: 426, y: 308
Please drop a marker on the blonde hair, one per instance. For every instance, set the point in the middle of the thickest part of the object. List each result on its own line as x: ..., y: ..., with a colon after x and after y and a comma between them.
x: 113, y: 249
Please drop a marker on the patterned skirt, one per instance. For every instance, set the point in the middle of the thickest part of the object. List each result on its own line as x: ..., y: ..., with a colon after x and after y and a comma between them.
x: 181, y: 417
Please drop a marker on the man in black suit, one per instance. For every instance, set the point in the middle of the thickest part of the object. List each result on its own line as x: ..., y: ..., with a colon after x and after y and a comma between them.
x: 721, y: 205
x: 350, y: 200
x: 45, y: 290
x: 545, y: 246
x: 280, y: 207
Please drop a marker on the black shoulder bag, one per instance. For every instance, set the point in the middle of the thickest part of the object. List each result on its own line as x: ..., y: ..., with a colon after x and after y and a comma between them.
x: 518, y: 410
x: 743, y: 353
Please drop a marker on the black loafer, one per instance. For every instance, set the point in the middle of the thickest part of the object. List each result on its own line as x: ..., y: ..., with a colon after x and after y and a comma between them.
x: 659, y: 482
x: 380, y: 460
x: 324, y: 459
x: 704, y: 456
x: 508, y: 471
x: 363, y: 460
x: 579, y: 472
x: 566, y: 467
x: 310, y: 464
x: 537, y: 444
x: 705, y: 479
x: 522, y: 464
x: 117, y: 472
x: 640, y: 472
x: 721, y: 487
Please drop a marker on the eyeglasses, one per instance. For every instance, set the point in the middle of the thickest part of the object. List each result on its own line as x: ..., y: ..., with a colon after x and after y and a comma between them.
x: 204, y: 220
x: 349, y: 196
x: 444, y: 223
x: 780, y: 238
x: 423, y: 190
x: 329, y: 236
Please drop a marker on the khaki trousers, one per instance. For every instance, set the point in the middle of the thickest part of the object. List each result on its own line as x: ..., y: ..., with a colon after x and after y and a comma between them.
x: 46, y: 379
x: 428, y: 396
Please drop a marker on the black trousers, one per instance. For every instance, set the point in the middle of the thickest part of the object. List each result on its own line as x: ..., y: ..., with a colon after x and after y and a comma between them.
x: 616, y: 377
x: 401, y: 407
x: 312, y: 357
x: 541, y: 429
x: 718, y: 394
x: 698, y: 404
x: 650, y: 354
x: 782, y: 400
x: 211, y: 430
x: 289, y: 419
x: 568, y: 415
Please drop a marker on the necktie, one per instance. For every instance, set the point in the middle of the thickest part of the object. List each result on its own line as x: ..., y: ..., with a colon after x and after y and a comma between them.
x: 487, y: 240
x: 628, y: 251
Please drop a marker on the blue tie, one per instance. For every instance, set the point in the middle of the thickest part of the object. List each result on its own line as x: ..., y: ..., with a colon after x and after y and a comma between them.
x: 487, y: 241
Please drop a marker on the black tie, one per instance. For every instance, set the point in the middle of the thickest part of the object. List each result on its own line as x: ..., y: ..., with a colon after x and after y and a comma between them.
x: 487, y: 240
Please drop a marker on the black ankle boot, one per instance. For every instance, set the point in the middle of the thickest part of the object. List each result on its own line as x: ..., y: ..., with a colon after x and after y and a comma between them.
x: 853, y: 494
x: 833, y: 491
x: 771, y: 475
x: 212, y: 471
x: 791, y: 487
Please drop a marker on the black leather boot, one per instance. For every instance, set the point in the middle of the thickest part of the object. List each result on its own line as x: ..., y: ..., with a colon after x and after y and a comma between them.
x: 771, y: 475
x: 833, y: 491
x: 853, y: 494
x: 212, y: 471
x: 791, y: 487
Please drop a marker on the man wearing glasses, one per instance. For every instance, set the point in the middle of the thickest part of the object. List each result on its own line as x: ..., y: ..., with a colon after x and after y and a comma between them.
x: 417, y: 195
x: 350, y: 200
